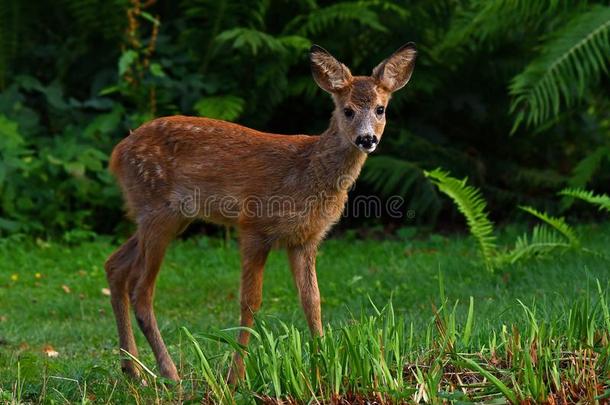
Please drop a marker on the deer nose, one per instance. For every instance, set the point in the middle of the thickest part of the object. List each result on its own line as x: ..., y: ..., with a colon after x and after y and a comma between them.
x: 367, y: 142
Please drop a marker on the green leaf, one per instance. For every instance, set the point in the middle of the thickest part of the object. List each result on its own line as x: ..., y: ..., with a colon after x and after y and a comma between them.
x: 126, y: 60
x: 10, y: 138
x: 105, y: 123
x: 54, y: 160
x: 76, y: 169
x: 469, y: 323
x: 109, y: 90
x: 227, y: 107
x: 156, y: 70
x: 9, y: 225
x: 219, y: 387
x: 149, y: 17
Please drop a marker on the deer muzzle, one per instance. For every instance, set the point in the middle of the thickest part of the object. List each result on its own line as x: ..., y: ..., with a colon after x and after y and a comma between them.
x: 366, y: 143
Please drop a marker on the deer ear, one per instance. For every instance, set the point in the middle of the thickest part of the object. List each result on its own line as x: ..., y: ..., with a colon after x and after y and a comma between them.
x: 330, y: 74
x: 394, y: 72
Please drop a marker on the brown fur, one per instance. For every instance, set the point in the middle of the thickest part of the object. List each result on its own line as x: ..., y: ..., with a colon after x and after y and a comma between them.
x: 278, y: 190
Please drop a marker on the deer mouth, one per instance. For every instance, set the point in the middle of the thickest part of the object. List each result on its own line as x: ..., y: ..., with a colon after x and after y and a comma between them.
x: 366, y: 143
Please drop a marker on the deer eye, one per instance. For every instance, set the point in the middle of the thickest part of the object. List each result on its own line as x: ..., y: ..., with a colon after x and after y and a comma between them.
x: 380, y: 110
x: 349, y: 113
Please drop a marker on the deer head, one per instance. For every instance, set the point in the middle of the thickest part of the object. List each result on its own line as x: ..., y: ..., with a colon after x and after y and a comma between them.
x: 361, y: 101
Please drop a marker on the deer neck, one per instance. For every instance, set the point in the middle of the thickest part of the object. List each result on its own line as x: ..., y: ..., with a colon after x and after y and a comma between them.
x: 335, y: 162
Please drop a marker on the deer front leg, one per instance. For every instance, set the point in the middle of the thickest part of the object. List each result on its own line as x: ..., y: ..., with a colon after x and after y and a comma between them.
x: 303, y: 264
x: 254, y: 252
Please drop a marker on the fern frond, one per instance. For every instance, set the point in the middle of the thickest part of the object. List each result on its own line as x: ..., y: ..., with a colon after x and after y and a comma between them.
x: 483, y: 20
x: 397, y: 9
x: 601, y: 200
x: 586, y: 168
x: 227, y: 107
x: 254, y: 41
x: 543, y: 242
x: 469, y: 202
x: 533, y: 177
x: 571, y: 61
x: 295, y: 43
x: 392, y: 176
x: 584, y: 171
x: 251, y: 39
x: 555, y: 234
x: 320, y: 19
x: 557, y: 223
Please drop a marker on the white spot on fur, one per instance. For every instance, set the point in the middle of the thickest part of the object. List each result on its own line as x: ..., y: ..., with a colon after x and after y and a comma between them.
x: 159, y: 171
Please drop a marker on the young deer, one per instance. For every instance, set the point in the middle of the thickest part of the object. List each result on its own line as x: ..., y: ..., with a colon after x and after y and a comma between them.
x: 278, y: 190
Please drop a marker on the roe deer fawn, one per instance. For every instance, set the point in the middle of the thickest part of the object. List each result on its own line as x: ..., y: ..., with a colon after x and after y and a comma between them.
x: 176, y: 169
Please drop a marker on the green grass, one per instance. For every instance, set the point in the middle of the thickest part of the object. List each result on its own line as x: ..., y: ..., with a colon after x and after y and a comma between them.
x: 525, y: 326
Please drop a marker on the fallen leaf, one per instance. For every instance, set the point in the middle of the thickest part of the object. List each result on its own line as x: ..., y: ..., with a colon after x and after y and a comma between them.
x: 50, y: 351
x: 106, y: 292
x: 66, y: 289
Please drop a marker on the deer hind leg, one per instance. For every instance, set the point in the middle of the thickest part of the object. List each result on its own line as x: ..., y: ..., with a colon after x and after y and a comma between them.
x: 303, y: 264
x: 254, y: 252
x: 155, y: 235
x: 118, y: 268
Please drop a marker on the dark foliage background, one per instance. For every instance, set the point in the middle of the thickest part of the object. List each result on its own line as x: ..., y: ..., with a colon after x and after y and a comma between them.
x: 513, y: 94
